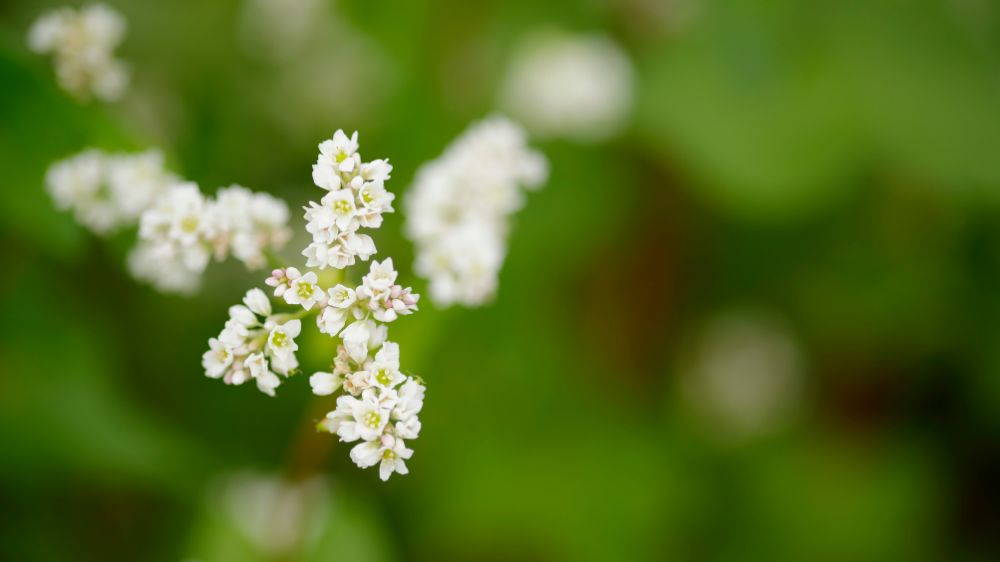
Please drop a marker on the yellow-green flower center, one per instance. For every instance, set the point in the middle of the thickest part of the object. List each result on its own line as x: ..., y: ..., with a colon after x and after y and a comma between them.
x: 189, y: 224
x: 389, y: 454
x: 383, y: 377
x: 304, y: 290
x: 372, y: 420
x: 278, y: 339
x: 342, y: 206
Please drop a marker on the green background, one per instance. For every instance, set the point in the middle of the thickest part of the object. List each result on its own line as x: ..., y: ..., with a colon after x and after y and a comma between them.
x: 835, y: 164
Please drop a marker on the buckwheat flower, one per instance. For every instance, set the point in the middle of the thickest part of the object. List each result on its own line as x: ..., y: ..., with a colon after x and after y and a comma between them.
x: 410, y: 400
x: 281, y: 339
x: 384, y: 369
x: 388, y: 452
x: 305, y: 292
x: 257, y: 301
x: 136, y: 180
x: 336, y: 157
x: 217, y: 359
x: 82, y: 43
x: 367, y: 417
x: 376, y: 171
x: 325, y: 384
x: 331, y: 320
x: 235, y: 334
x: 408, y: 428
x: 380, y: 277
x: 458, y: 210
x: 341, y: 203
x: 357, y: 382
x: 577, y: 87
x: 361, y: 336
x: 78, y: 184
x: 266, y: 380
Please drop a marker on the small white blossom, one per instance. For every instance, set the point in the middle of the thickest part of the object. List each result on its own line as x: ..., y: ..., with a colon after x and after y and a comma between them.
x: 266, y: 380
x: 361, y: 336
x: 388, y: 452
x: 257, y: 301
x: 82, y: 43
x: 384, y: 370
x: 107, y: 191
x: 281, y: 339
x: 305, y: 292
x: 578, y: 87
x: 365, y: 417
x: 325, y: 384
x: 459, y: 207
x: 410, y: 400
x: 217, y: 359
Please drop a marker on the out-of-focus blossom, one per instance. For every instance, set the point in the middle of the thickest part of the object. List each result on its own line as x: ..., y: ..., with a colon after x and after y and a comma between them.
x: 459, y: 207
x: 82, y: 43
x: 744, y: 375
x: 577, y: 87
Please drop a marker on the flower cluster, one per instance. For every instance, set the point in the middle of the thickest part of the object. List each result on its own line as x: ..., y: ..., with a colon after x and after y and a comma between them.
x: 107, y: 191
x: 378, y: 405
x: 356, y: 198
x: 577, y: 87
x: 183, y: 229
x: 254, y: 344
x: 459, y: 207
x: 82, y: 43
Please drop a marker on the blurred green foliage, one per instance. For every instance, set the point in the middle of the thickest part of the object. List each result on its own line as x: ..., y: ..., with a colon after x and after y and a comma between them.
x: 837, y: 164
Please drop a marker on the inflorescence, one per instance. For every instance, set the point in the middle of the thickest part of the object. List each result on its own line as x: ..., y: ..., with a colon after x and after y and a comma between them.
x: 377, y: 404
x: 459, y: 207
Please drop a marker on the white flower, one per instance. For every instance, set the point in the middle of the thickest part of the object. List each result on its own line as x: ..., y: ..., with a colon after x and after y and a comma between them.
x: 336, y: 157
x: 331, y: 320
x: 217, y: 359
x: 325, y: 384
x: 408, y: 428
x: 360, y: 336
x: 380, y: 277
x: 459, y: 207
x: 304, y: 291
x: 384, y: 370
x: 281, y: 339
x: 389, y: 452
x: 243, y: 315
x: 234, y: 335
x: 82, y: 43
x: 410, y: 400
x: 365, y: 417
x: 578, y: 87
x: 341, y: 205
x: 266, y: 380
x: 341, y: 296
x: 257, y: 301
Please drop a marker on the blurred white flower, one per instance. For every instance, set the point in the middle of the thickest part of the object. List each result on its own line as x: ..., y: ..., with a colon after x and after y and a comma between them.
x: 107, y: 191
x: 183, y: 229
x: 577, y: 87
x: 459, y: 207
x: 277, y: 517
x: 82, y: 43
x: 745, y: 374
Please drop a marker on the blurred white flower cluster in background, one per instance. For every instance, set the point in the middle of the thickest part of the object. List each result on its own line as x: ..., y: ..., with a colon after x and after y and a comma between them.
x: 568, y: 86
x: 82, y: 44
x: 108, y: 191
x: 183, y: 229
x: 744, y: 375
x: 458, y: 209
x: 179, y: 228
